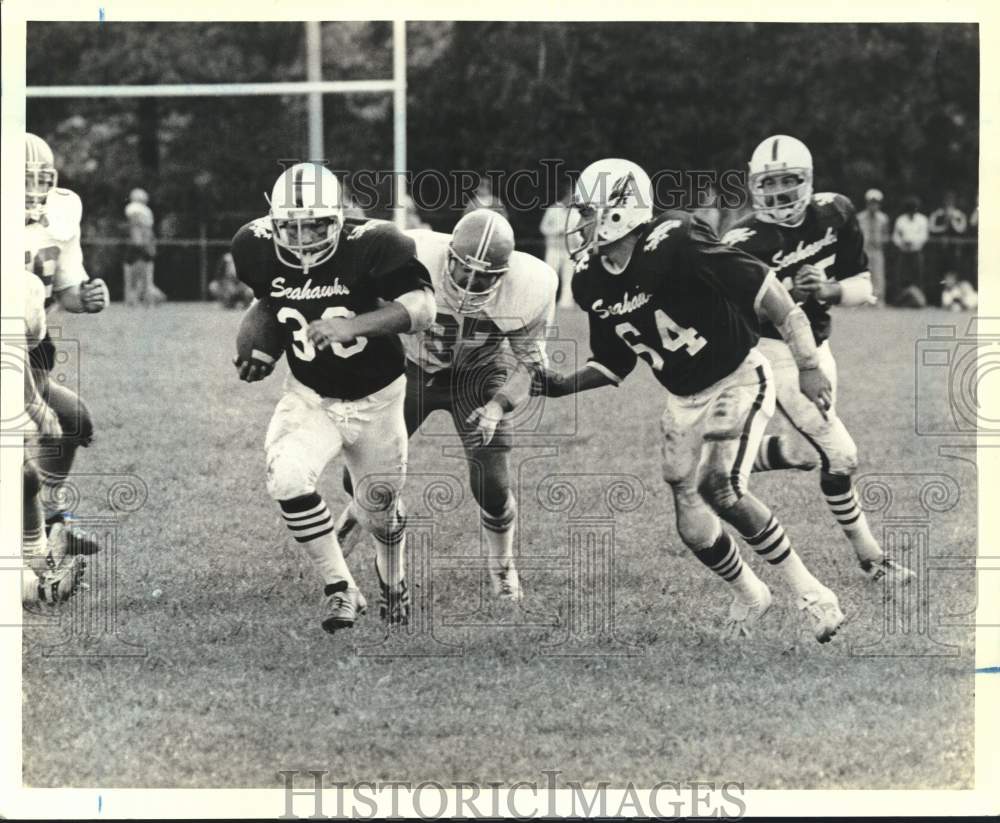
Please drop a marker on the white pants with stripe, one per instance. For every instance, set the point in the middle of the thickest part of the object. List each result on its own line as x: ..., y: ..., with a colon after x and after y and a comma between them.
x: 307, y: 431
x: 710, y: 440
x: 829, y: 436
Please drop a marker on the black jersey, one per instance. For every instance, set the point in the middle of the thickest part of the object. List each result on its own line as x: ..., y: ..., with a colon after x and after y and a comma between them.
x: 829, y: 238
x: 685, y: 303
x: 374, y: 261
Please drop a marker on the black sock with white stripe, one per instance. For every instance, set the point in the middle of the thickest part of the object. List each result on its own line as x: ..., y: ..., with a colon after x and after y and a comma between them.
x: 773, y: 545
x: 309, y: 520
x: 840, y: 496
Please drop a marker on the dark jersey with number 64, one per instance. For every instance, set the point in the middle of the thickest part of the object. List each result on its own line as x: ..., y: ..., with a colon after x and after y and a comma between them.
x: 686, y: 304
x: 374, y: 261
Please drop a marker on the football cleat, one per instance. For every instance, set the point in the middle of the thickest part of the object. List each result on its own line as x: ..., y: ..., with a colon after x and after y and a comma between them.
x: 77, y: 541
x: 744, y: 616
x: 895, y: 574
x: 342, y: 608
x: 506, y: 582
x: 349, y: 531
x: 59, y: 584
x: 394, y: 604
x: 823, y: 609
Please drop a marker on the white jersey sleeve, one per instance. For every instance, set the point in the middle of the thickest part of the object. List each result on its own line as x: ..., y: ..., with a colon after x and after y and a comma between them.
x: 54, y: 252
x: 525, y: 307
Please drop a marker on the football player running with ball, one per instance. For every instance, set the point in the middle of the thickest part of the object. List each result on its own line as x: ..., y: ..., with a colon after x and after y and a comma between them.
x: 53, y: 254
x: 814, y: 245
x: 477, y: 362
x: 342, y: 292
x: 668, y: 291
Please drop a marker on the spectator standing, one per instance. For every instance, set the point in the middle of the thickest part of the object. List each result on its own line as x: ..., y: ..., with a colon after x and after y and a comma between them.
x: 909, y: 236
x: 948, y: 225
x: 484, y: 198
x: 875, y: 227
x: 553, y: 228
x: 226, y: 288
x: 140, y: 252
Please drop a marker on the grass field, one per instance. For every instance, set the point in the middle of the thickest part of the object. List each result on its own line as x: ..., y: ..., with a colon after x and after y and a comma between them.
x: 234, y: 680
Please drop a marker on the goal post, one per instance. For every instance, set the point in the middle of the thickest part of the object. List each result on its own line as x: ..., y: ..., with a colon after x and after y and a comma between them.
x: 313, y: 88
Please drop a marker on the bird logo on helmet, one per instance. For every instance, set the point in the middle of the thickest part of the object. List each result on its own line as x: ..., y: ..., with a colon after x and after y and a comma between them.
x: 307, y: 215
x: 612, y: 198
x: 478, y: 257
x: 780, y: 180
x: 40, y: 176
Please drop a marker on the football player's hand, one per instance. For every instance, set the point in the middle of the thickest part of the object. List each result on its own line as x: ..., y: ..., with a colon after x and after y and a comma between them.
x: 94, y: 296
x: 815, y: 283
x: 486, y: 419
x: 252, y: 370
x: 816, y: 386
x: 547, y: 383
x: 327, y: 331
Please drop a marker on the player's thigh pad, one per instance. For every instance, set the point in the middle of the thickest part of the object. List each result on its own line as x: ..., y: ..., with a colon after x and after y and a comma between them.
x: 747, y: 399
x: 827, y: 434
x: 376, y: 455
x: 301, y: 439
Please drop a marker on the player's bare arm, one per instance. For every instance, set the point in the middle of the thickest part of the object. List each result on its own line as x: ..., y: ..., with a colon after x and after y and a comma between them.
x: 409, y: 313
x: 775, y: 304
x: 591, y: 376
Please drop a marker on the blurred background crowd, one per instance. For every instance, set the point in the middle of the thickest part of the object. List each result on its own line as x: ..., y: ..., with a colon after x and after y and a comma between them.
x: 890, y: 113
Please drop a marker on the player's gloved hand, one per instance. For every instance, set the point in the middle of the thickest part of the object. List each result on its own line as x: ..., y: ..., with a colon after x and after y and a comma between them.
x: 814, y: 283
x: 94, y: 296
x: 486, y: 419
x: 816, y: 386
x: 329, y: 330
x: 548, y: 384
x: 251, y: 371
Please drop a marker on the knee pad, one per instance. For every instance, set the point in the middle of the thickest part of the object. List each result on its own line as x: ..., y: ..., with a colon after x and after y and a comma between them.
x: 287, y: 478
x: 720, y: 489
x: 697, y: 525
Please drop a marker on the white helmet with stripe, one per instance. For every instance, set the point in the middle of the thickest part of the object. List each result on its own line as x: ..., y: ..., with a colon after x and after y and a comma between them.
x: 612, y: 198
x: 781, y: 180
x: 307, y: 215
x: 40, y: 176
x: 478, y: 257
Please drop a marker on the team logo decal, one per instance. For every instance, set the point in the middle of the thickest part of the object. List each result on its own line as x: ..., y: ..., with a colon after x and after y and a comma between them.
x: 659, y: 234
x: 734, y: 237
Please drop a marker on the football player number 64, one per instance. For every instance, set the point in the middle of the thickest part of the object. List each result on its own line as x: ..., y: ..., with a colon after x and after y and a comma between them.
x: 672, y: 336
x: 301, y: 344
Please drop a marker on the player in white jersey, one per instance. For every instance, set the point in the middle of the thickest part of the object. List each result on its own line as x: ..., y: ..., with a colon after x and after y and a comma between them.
x: 53, y: 575
x: 53, y: 255
x: 477, y: 362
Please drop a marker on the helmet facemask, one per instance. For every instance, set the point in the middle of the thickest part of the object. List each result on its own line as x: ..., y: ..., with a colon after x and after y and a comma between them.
x: 39, y: 180
x: 781, y: 196
x: 306, y: 238
x: 480, y: 281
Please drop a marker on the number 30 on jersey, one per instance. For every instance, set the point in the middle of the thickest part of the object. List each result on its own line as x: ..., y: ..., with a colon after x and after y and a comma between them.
x: 673, y: 337
x: 302, y: 345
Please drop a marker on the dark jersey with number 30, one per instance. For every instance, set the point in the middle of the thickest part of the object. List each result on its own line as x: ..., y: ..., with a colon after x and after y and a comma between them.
x: 374, y: 261
x: 686, y: 304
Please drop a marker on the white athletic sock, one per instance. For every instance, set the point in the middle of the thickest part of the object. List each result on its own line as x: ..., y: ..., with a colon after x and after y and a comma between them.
x: 499, y: 532
x: 773, y: 545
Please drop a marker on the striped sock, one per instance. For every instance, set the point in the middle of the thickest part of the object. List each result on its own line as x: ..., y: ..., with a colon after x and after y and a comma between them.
x: 843, y: 502
x: 499, y: 531
x: 311, y: 524
x: 723, y: 557
x: 773, y: 545
x: 390, y: 549
x: 769, y: 454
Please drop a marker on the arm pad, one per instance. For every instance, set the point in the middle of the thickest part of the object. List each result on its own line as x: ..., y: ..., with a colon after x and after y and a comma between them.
x: 421, y: 307
x: 797, y: 333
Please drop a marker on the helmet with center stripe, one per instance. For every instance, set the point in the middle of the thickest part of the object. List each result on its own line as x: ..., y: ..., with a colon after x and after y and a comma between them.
x: 478, y: 257
x: 307, y: 215
x: 781, y: 180
x: 40, y: 176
